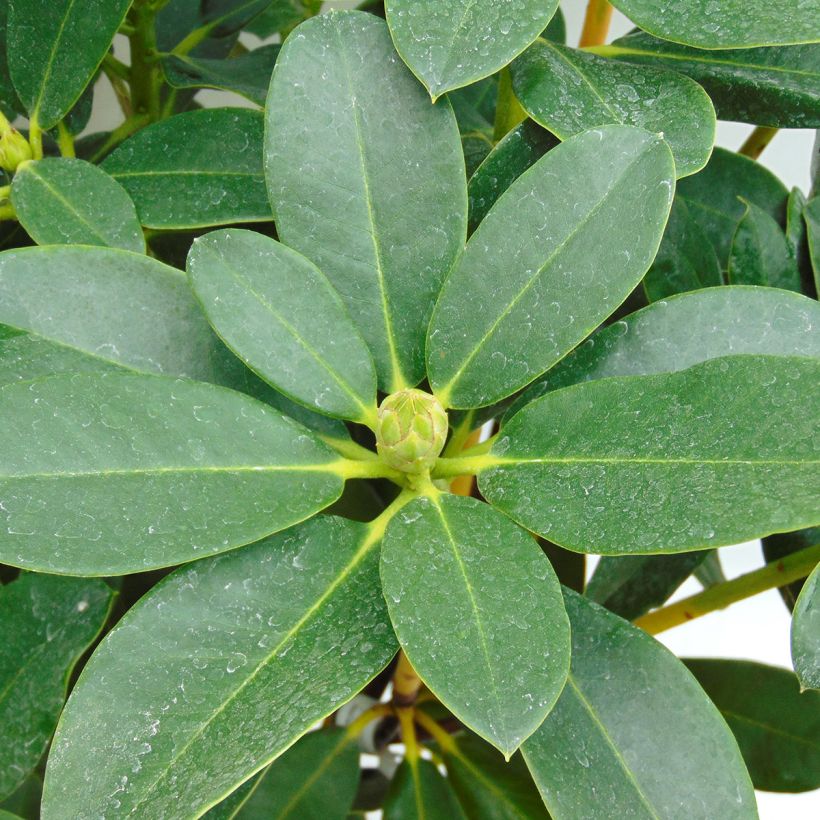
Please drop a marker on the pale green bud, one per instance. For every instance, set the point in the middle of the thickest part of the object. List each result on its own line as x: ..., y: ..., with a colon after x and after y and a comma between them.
x: 14, y: 147
x: 411, y: 429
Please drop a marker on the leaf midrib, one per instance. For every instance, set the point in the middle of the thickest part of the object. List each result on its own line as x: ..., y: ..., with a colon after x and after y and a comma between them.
x: 55, y: 47
x: 328, y: 467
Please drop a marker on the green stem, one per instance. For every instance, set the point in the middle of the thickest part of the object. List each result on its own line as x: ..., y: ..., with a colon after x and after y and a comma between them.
x: 144, y: 74
x: 65, y: 141
x: 757, y: 141
x: 508, y: 111
x: 35, y: 138
x: 464, y: 465
x: 121, y: 132
x: 776, y: 574
x: 596, y: 23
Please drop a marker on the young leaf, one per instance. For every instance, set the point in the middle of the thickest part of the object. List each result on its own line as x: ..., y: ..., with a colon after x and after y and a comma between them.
x: 686, y: 259
x: 367, y: 181
x: 282, y: 317
x: 196, y: 169
x: 778, y: 87
x: 718, y: 454
x: 632, y: 732
x: 222, y: 687
x: 594, y: 209
x: 713, y: 196
x: 133, y: 472
x: 493, y: 642
x: 776, y: 727
x: 760, y: 254
x: 735, y: 24
x: 316, y: 779
x: 48, y: 622
x: 71, y: 202
x: 489, y: 788
x: 247, y: 74
x: 54, y: 50
x: 419, y: 791
x: 449, y: 45
x: 679, y: 332
x: 806, y: 633
x: 604, y: 92
x: 513, y: 155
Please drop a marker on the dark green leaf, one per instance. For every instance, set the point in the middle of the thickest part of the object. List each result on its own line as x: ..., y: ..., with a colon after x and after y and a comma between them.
x: 732, y: 24
x: 179, y: 18
x: 556, y: 31
x: 247, y: 74
x: 222, y: 688
x: 779, y: 87
x: 593, y: 210
x: 8, y: 96
x: 676, y: 333
x: 71, y: 202
x: 132, y: 472
x: 513, y: 155
x: 717, y: 454
x: 487, y: 787
x: 712, y: 196
x: 229, y: 808
x: 797, y: 238
x: 196, y: 169
x: 811, y: 213
x: 25, y: 801
x: 632, y: 732
x: 630, y: 585
x: 686, y: 259
x: 474, y: 106
x: 314, y: 780
x: 282, y: 317
x: 418, y: 791
x: 806, y: 633
x: 782, y: 545
x: 569, y: 91
x: 359, y: 170
x: 477, y: 608
x: 709, y: 572
x: 54, y: 50
x: 776, y: 727
x: 279, y: 15
x: 48, y: 622
x: 224, y: 17
x: 760, y: 254
x: 449, y: 45
x: 570, y: 567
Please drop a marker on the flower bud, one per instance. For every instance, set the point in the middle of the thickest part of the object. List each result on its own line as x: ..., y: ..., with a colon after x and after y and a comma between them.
x: 411, y: 429
x: 14, y: 147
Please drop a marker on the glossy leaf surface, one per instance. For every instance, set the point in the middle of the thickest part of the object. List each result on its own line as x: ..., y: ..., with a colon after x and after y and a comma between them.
x: 698, y: 447
x: 713, y: 196
x: 778, y: 87
x: 477, y: 608
x: 282, y: 317
x: 48, y: 622
x: 776, y: 727
x: 569, y: 91
x: 806, y: 633
x: 54, y: 50
x: 733, y: 24
x: 220, y: 689
x: 681, y: 331
x: 361, y: 167
x: 247, y: 74
x: 449, y: 45
x: 418, y: 790
x: 594, y: 209
x: 133, y: 472
x: 760, y: 254
x: 195, y: 169
x: 71, y: 202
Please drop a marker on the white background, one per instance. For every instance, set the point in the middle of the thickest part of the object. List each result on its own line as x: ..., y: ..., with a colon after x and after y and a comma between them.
x: 757, y: 629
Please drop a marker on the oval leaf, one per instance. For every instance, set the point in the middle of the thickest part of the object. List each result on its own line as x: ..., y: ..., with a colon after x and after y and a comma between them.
x: 806, y: 633
x: 776, y: 727
x: 48, y: 622
x: 681, y: 331
x: 71, y: 202
x: 222, y: 685
x: 132, y: 472
x: 593, y: 210
x: 493, y: 642
x: 419, y: 791
x: 718, y: 454
x: 811, y: 215
x: 778, y: 87
x: 367, y: 181
x: 282, y: 317
x: 54, y: 49
x: 628, y: 734
x: 449, y: 45
x: 196, y: 169
x: 732, y: 24
x: 604, y: 92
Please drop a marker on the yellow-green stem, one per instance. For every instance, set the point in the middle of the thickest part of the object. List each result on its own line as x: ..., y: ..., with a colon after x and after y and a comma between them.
x: 757, y: 141
x: 596, y: 23
x: 65, y: 141
x: 444, y: 740
x: 35, y: 138
x: 408, y: 734
x: 776, y: 574
x: 406, y: 683
x: 508, y: 111
x: 355, y: 728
